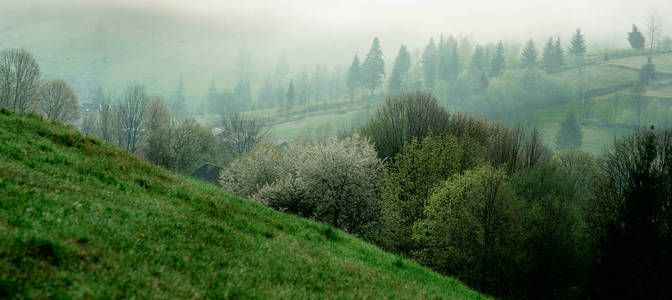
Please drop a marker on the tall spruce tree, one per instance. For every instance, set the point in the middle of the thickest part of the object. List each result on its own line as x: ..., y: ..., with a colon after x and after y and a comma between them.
x: 635, y: 38
x: 400, y: 70
x: 498, y: 61
x: 454, y: 66
x: 282, y: 68
x: 569, y: 135
x: 578, y: 45
x: 242, y: 95
x: 529, y: 55
x: 429, y: 63
x: 477, y: 64
x: 558, y: 54
x: 647, y: 72
x: 548, y: 59
x: 290, y: 97
x: 353, y: 79
x: 373, y: 68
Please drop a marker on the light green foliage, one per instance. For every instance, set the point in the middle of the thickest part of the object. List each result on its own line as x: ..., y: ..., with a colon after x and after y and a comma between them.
x: 409, y: 180
x: 80, y: 218
x: 471, y: 228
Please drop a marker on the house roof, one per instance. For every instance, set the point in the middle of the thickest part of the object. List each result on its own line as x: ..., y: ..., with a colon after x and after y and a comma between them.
x: 208, y: 172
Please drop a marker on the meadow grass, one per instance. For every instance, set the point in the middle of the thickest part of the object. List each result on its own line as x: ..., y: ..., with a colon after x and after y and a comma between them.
x: 80, y: 218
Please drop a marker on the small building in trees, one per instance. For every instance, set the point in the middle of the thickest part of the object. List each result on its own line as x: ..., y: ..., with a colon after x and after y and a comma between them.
x: 208, y: 172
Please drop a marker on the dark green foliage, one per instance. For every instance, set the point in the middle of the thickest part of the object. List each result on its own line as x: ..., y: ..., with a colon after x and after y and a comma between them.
x: 353, y: 81
x: 569, y: 135
x: 635, y: 38
x: 647, y: 72
x: 404, y: 117
x: 529, y: 55
x: 400, y: 70
x: 555, y: 245
x: 429, y: 64
x: 373, y: 67
x: 498, y: 61
x: 631, y: 219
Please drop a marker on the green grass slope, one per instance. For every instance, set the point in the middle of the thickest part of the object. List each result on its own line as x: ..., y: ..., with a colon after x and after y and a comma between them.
x: 82, y: 219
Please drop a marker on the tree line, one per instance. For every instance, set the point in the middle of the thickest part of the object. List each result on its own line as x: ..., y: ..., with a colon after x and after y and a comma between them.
x: 483, y: 202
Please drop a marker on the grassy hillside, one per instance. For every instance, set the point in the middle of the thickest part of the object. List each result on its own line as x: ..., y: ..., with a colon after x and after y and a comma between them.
x: 80, y: 218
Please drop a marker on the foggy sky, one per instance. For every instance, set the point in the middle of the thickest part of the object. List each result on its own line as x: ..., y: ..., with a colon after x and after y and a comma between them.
x: 414, y: 21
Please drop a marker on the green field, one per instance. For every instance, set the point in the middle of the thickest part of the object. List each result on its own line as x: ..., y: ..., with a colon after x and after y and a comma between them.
x: 80, y: 218
x: 663, y: 62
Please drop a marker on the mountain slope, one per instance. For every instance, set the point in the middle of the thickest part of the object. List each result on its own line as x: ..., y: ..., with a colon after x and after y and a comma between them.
x: 80, y: 218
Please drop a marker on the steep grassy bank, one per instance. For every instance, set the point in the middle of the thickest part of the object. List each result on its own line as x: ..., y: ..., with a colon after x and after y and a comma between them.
x: 80, y: 218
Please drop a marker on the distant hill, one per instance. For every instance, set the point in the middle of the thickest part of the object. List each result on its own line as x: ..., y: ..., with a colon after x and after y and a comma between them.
x: 80, y: 218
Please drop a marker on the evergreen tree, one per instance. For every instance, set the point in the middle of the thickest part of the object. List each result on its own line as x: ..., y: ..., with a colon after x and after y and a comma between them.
x: 303, y: 88
x: 477, y: 64
x: 648, y: 72
x: 578, y: 45
x: 454, y: 66
x: 354, y: 77
x: 178, y: 99
x: 429, y: 62
x: 242, y: 95
x: 290, y: 97
x: 635, y: 38
x: 498, y: 61
x: 244, y: 61
x: 443, y: 63
x: 282, y: 68
x: 400, y: 70
x: 212, y: 91
x: 266, y: 95
x: 373, y: 68
x: 569, y: 134
x: 548, y: 56
x: 529, y: 55
x: 558, y: 54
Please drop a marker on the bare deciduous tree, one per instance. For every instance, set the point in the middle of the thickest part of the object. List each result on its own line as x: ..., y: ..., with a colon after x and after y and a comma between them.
x: 653, y: 29
x: 19, y: 79
x: 156, y: 147
x: 191, y: 143
x: 240, y: 133
x: 58, y: 101
x: 131, y: 113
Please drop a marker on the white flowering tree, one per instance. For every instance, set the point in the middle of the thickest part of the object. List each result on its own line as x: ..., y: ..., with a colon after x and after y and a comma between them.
x: 335, y: 182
